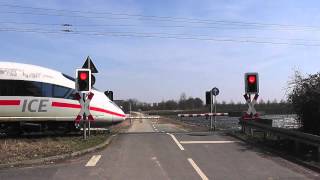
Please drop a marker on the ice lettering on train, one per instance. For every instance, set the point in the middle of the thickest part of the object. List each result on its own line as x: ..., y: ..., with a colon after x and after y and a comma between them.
x: 35, y: 105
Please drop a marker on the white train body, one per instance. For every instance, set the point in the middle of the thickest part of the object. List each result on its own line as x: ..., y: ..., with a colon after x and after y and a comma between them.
x: 31, y: 93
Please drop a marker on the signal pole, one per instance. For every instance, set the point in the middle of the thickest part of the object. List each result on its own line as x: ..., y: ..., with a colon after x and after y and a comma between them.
x: 84, y: 82
x: 211, y: 104
x: 215, y: 112
x: 89, y: 123
x: 84, y: 120
x: 214, y: 92
x: 251, y: 81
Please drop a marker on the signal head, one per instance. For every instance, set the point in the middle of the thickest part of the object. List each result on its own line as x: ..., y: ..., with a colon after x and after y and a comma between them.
x: 251, y: 83
x: 208, y: 97
x: 83, y: 80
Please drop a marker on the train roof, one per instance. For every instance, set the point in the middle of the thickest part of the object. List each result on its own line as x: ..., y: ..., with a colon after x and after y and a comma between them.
x: 28, y: 72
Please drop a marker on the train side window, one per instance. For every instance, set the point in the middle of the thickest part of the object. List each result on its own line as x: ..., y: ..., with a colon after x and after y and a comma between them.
x: 71, y: 94
x: 59, y: 91
x: 7, y: 88
x: 47, y: 90
x: 20, y: 88
x: 30, y: 88
x: 36, y: 89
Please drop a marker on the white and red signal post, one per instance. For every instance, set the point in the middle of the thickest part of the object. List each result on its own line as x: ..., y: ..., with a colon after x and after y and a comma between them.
x: 84, y: 82
x: 84, y: 101
x: 251, y: 112
x: 251, y: 87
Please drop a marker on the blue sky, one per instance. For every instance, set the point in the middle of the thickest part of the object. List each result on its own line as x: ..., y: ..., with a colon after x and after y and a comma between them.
x: 154, y: 69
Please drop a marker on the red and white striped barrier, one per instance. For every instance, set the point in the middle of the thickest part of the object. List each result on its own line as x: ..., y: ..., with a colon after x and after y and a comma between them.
x: 143, y: 117
x: 203, y: 115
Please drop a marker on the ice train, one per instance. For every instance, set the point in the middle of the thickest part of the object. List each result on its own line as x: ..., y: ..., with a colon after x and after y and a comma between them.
x: 37, y: 97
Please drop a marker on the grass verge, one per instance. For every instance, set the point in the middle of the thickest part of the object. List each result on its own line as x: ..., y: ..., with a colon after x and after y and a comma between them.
x: 20, y: 149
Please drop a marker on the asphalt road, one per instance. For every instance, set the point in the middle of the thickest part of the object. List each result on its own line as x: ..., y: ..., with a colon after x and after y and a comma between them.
x: 161, y: 155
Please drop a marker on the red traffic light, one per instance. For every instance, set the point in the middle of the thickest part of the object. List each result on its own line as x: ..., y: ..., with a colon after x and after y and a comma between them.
x: 83, y: 81
x: 83, y: 75
x: 252, y: 79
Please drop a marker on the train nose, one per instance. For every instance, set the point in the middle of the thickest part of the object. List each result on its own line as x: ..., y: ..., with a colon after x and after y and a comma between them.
x: 120, y: 116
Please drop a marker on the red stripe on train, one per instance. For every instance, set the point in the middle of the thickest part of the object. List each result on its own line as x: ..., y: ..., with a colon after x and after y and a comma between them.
x: 77, y: 106
x: 66, y: 105
x: 106, y: 111
x: 9, y: 102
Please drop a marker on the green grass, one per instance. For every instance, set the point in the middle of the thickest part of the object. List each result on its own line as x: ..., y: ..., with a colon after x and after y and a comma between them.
x: 78, y: 143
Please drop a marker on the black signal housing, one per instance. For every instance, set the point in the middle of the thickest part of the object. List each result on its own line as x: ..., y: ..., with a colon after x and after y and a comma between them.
x: 83, y: 79
x: 251, y: 83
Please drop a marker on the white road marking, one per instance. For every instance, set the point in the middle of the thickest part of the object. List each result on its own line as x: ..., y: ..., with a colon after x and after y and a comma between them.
x: 176, y: 141
x: 93, y: 161
x: 208, y: 142
x: 196, y: 167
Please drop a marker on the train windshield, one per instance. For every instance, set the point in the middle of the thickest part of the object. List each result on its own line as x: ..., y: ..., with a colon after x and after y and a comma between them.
x: 69, y: 77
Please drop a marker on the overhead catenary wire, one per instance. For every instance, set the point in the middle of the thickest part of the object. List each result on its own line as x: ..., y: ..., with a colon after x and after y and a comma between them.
x: 163, y: 33
x: 168, y: 18
x: 229, y: 25
x: 232, y: 25
x: 141, y: 26
x: 146, y: 35
x: 225, y: 24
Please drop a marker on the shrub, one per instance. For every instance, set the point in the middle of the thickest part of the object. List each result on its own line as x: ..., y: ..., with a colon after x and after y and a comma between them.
x: 304, y: 96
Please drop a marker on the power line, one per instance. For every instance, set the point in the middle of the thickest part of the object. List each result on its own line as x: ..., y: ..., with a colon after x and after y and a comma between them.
x: 146, y: 35
x: 136, y: 25
x: 161, y: 18
x: 184, y: 34
x: 34, y: 23
x: 139, y: 34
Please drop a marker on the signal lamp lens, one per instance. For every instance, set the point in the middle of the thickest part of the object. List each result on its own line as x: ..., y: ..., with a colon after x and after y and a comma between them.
x: 252, y: 79
x: 83, y: 76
